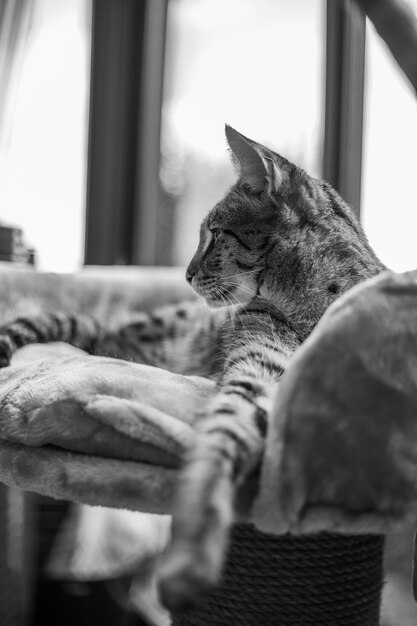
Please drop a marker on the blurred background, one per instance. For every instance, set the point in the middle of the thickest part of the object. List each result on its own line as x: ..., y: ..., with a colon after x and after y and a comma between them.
x: 112, y: 145
x: 112, y: 115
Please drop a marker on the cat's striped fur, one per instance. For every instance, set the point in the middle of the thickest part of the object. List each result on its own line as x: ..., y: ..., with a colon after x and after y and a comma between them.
x: 277, y: 251
x: 254, y: 345
x: 283, y: 246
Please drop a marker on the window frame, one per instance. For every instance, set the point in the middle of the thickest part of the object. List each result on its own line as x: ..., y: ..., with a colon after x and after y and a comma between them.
x: 123, y: 213
x: 344, y: 99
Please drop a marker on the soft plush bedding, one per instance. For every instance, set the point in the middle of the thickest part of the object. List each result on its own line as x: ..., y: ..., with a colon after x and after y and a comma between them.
x: 95, y: 430
x: 342, y: 446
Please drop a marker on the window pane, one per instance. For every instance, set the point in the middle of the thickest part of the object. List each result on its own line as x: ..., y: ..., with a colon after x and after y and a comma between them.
x: 257, y: 66
x: 43, y: 139
x: 390, y: 157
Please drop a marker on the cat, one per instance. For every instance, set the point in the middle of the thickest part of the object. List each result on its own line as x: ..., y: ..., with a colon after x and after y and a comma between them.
x: 282, y: 246
x: 273, y: 255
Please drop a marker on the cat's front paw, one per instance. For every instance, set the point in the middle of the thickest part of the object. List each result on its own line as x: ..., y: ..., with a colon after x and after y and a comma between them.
x: 202, y: 517
x: 185, y: 579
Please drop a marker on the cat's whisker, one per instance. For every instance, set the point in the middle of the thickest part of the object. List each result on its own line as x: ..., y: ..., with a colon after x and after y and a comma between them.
x: 238, y: 305
x: 224, y: 299
x: 229, y: 282
x: 242, y: 287
x: 227, y: 300
x: 242, y: 274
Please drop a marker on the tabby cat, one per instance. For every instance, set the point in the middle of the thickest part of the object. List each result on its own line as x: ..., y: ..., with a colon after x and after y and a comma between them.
x: 273, y: 255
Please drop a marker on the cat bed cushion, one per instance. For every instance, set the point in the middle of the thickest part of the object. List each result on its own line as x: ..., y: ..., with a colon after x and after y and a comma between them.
x: 342, y: 447
x: 94, y: 429
x: 49, y: 441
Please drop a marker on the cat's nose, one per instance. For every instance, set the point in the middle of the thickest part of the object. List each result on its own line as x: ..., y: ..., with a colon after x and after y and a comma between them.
x: 189, y: 275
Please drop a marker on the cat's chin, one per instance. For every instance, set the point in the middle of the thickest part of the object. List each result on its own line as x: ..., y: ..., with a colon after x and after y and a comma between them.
x: 220, y: 304
x: 211, y: 301
x: 214, y: 302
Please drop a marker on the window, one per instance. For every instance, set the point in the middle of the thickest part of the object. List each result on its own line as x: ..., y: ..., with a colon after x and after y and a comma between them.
x: 43, y: 138
x: 389, y: 210
x: 260, y: 69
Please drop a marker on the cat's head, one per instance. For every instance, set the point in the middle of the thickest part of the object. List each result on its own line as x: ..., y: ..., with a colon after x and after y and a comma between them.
x: 278, y: 234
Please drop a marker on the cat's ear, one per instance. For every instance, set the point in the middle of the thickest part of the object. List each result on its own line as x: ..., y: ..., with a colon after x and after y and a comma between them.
x: 258, y: 165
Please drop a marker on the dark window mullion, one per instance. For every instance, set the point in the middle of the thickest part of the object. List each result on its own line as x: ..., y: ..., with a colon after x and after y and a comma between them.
x: 147, y: 212
x: 345, y: 63
x: 116, y: 63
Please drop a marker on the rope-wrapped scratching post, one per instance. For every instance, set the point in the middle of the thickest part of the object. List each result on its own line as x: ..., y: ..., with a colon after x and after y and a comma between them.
x: 284, y: 580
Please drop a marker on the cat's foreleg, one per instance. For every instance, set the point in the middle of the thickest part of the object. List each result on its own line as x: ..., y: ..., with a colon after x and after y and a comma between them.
x: 228, y: 448
x: 179, y: 337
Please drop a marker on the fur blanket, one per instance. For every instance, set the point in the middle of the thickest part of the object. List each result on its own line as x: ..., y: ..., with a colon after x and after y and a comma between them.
x: 95, y: 430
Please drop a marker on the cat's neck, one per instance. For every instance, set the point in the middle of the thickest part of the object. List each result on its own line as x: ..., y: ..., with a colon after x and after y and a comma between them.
x: 304, y: 309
